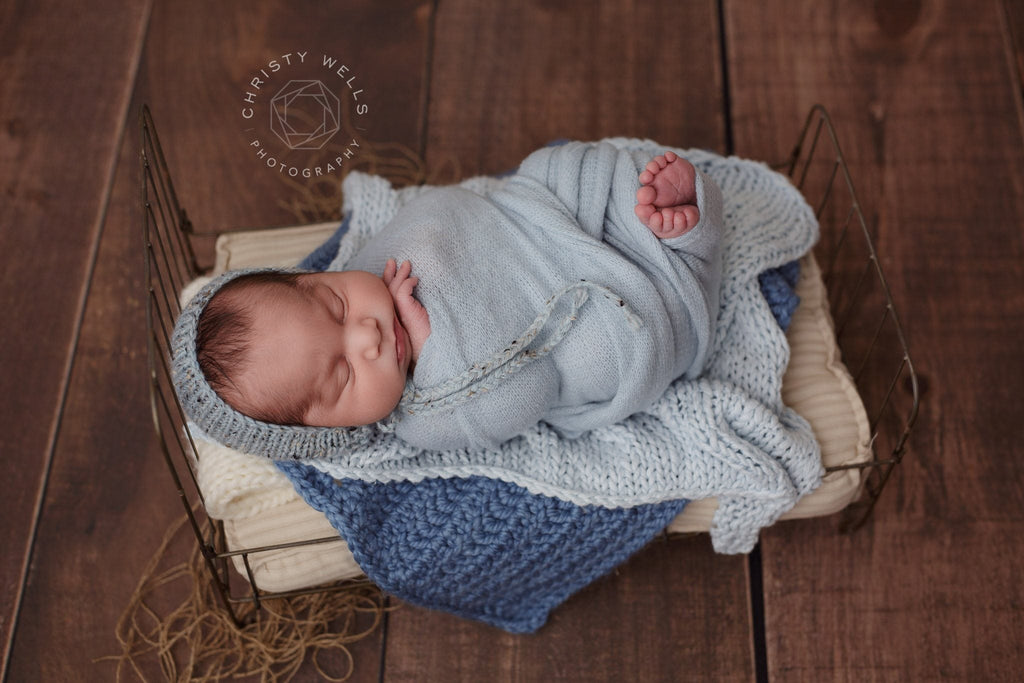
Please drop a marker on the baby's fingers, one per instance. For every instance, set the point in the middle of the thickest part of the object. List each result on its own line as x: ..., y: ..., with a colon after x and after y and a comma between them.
x: 389, y: 271
x: 409, y: 284
x: 404, y: 299
x: 394, y: 276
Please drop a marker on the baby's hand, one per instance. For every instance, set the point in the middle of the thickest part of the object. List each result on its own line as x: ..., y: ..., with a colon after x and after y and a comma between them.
x: 411, y: 313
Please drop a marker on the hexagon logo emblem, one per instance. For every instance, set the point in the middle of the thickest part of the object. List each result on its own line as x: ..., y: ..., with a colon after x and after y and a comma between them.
x: 305, y: 114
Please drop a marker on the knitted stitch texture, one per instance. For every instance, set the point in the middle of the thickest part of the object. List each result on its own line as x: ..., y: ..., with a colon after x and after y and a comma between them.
x: 482, y: 548
x: 726, y: 434
x: 478, y: 548
x: 612, y: 313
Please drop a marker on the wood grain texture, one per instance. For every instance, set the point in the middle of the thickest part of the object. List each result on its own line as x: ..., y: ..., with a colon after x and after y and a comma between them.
x: 926, y: 98
x: 503, y: 82
x: 63, y: 99
x: 507, y: 81
x: 676, y: 611
x: 926, y: 106
x: 198, y: 96
x: 109, y: 498
x: 1013, y: 17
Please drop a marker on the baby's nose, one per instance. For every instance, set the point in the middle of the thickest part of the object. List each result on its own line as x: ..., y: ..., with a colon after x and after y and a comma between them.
x: 366, y: 338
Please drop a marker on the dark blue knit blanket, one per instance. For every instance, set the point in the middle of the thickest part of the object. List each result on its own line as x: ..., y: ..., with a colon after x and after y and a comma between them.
x: 483, y: 548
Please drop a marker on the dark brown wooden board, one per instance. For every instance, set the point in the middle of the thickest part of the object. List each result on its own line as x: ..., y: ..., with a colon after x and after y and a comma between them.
x: 927, y: 101
x: 675, y: 611
x: 109, y: 498
x: 198, y: 98
x: 63, y: 97
x: 926, y: 105
x: 1013, y: 24
x: 505, y: 81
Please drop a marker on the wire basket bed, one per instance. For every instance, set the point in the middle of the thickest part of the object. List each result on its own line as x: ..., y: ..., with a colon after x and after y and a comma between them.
x: 867, y: 328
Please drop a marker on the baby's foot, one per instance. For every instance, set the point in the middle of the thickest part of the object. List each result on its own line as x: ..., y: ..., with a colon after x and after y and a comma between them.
x: 667, y: 199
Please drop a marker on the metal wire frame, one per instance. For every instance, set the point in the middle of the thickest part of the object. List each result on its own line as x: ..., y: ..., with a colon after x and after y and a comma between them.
x: 819, y: 170
x: 868, y: 329
x: 170, y: 264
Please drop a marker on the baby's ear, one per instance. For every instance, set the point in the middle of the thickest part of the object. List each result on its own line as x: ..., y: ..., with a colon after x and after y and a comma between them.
x: 192, y: 288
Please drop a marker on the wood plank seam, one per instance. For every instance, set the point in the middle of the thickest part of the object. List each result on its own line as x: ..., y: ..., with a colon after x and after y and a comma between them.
x: 723, y: 56
x: 51, y: 446
x: 1012, y: 64
x: 428, y: 68
x: 755, y: 577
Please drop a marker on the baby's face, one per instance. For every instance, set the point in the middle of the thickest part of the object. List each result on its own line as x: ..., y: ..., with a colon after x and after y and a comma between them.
x: 335, y: 344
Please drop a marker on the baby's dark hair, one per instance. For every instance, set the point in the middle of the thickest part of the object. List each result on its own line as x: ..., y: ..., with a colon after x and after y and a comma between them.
x: 223, y: 343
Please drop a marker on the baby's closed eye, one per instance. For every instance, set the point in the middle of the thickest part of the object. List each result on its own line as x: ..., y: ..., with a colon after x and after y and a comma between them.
x: 337, y: 306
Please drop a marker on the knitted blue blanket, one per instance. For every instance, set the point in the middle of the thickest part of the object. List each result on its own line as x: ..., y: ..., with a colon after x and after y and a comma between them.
x: 486, y: 548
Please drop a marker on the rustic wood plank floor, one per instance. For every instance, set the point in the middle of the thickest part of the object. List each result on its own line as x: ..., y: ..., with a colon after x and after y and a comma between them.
x: 927, y: 100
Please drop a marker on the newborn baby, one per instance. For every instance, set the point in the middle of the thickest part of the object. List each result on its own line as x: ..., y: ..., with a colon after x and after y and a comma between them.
x: 350, y: 348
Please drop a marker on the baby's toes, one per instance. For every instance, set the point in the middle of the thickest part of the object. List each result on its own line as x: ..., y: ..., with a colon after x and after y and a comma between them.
x: 644, y: 212
x: 656, y: 164
x: 646, y: 194
x: 655, y: 221
x: 678, y: 220
x: 692, y: 214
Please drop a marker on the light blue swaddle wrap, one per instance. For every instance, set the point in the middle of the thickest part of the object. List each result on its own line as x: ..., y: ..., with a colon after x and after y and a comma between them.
x: 724, y: 434
x: 618, y: 314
